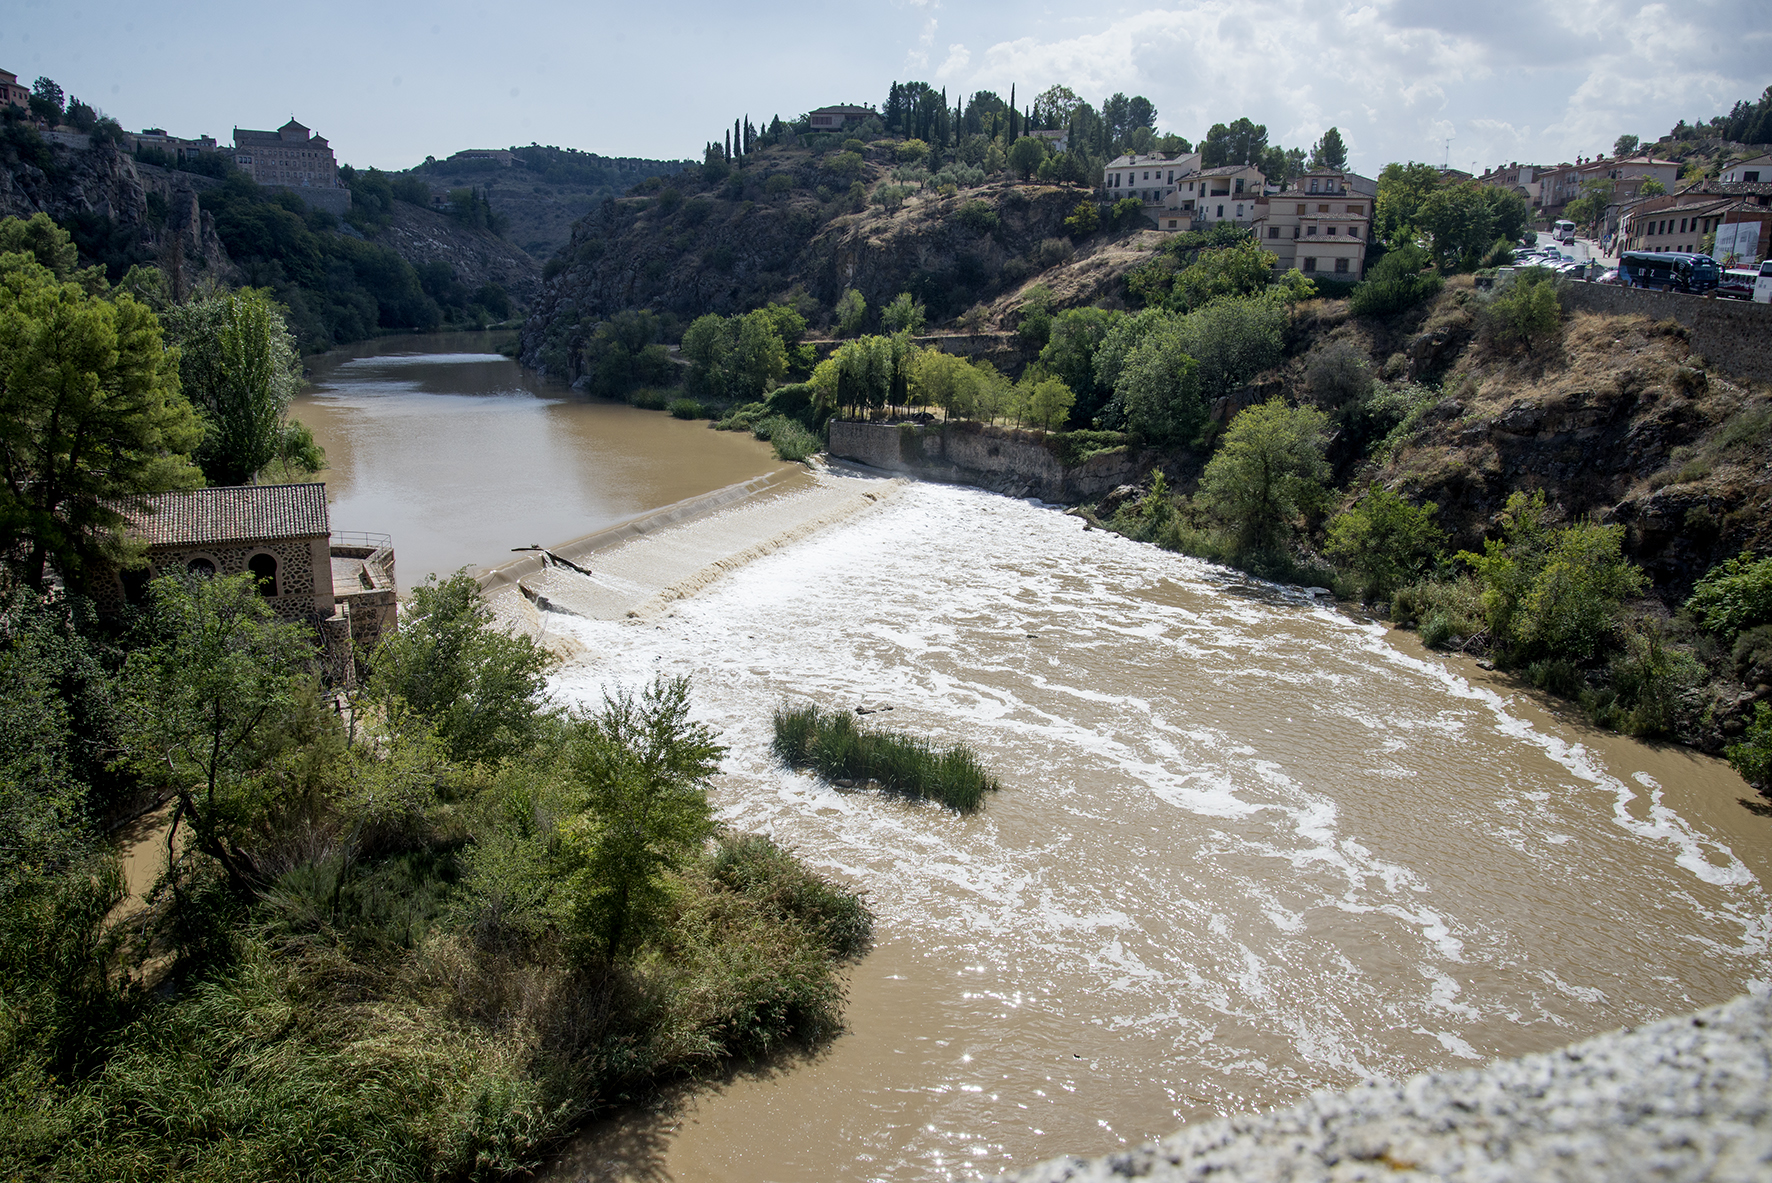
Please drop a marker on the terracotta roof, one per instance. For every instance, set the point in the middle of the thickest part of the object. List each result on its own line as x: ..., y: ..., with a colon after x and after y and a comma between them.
x: 232, y: 513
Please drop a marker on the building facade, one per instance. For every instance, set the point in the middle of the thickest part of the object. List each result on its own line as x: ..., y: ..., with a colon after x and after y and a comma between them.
x: 11, y: 93
x: 1151, y: 179
x: 174, y: 146
x: 291, y: 157
x: 1757, y: 170
x: 282, y: 536
x: 1319, y: 226
x: 839, y: 117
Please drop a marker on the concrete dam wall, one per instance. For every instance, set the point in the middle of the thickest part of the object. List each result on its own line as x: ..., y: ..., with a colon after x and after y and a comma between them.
x: 1018, y: 463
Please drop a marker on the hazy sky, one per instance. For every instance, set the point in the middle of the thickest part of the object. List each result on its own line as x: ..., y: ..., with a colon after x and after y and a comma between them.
x: 389, y: 84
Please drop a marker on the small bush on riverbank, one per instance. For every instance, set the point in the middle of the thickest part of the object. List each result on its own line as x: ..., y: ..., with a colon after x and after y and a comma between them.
x: 686, y: 408
x: 834, y: 746
x: 790, y: 440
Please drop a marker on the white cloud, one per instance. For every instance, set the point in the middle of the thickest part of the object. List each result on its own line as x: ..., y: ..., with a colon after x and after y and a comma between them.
x: 957, y: 59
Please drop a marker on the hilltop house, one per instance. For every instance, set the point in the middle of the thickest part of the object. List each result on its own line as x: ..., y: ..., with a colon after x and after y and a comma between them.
x: 1320, y: 225
x: 1747, y: 171
x: 292, y: 157
x: 839, y: 117
x: 1151, y: 179
x: 282, y: 535
x: 11, y: 93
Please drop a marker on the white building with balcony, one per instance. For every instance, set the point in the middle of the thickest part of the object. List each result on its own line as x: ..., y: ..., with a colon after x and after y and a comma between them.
x: 1320, y: 225
x: 1151, y: 179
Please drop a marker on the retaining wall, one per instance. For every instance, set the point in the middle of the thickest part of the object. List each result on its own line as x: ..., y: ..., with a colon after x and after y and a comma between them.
x: 1734, y: 336
x: 974, y: 454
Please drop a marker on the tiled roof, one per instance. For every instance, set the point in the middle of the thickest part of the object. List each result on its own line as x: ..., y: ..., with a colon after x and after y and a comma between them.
x: 232, y: 513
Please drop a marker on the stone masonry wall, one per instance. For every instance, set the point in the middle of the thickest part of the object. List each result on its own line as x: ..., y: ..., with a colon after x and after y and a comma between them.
x: 974, y: 454
x: 1732, y: 335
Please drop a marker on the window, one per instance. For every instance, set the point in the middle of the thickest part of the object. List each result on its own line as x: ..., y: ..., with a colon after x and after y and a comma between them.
x: 201, y: 568
x: 1356, y: 209
x: 1313, y: 186
x: 1322, y: 209
x: 1332, y: 230
x: 1171, y: 223
x: 1239, y: 209
x: 1310, y: 264
x: 1273, y: 232
x: 1752, y: 175
x: 1301, y: 208
x: 264, y: 569
x: 1221, y: 211
x: 1682, y: 225
x: 1310, y: 231
x: 1295, y: 231
x: 1239, y: 184
x: 1147, y: 176
x: 1341, y: 266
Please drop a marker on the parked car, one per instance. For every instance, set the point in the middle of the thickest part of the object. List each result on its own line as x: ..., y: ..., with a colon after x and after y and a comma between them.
x: 1610, y: 275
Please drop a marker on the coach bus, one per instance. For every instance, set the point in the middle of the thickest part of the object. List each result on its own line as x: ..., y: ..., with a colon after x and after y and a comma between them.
x: 1673, y: 271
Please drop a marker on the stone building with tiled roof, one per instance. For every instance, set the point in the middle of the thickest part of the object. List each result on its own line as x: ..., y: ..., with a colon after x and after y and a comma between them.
x: 282, y: 535
x: 293, y: 158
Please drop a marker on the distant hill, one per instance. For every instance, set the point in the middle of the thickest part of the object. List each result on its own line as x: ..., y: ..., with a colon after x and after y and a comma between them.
x: 542, y: 191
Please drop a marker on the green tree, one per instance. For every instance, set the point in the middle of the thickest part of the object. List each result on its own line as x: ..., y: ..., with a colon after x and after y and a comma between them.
x: 1733, y: 596
x: 1240, y: 142
x: 1752, y: 755
x: 90, y: 416
x: 1330, y: 151
x: 1084, y: 220
x: 640, y: 769
x: 1385, y: 540
x: 852, y: 313
x: 1526, y: 313
x: 904, y: 315
x: 1402, y: 190
x: 43, y: 240
x: 1401, y: 280
x: 1625, y: 145
x: 1069, y: 353
x: 1268, y: 471
x: 1046, y: 400
x: 1158, y: 394
x: 1651, y: 188
x: 1240, y: 270
x: 1459, y: 225
x: 1234, y: 339
x: 238, y: 365
x: 1025, y: 155
x: 1036, y: 315
x: 480, y: 689
x: 204, y: 701
x: 46, y: 100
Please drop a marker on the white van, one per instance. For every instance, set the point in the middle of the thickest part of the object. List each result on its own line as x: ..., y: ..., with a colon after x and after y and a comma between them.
x: 1565, y: 232
x: 1763, y: 285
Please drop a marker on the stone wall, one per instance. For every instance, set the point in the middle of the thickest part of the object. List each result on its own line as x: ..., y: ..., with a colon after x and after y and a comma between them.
x: 1016, y: 463
x: 1683, y: 1099
x: 1734, y: 336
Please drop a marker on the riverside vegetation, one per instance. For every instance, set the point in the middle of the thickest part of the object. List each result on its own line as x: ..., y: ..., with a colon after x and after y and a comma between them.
x: 416, y: 928
x: 832, y: 744
x: 1379, y: 437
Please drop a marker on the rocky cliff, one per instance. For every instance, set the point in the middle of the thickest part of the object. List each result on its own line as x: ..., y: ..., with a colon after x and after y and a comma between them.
x: 787, y: 223
x: 479, y: 257
x: 137, y: 211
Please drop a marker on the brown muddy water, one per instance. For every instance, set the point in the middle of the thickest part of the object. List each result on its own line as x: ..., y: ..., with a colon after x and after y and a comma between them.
x: 1247, y: 846
x: 461, y: 454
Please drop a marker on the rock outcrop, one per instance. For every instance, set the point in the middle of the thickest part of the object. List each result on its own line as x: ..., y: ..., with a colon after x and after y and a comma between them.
x: 1685, y: 1099
x: 154, y: 209
x: 479, y: 257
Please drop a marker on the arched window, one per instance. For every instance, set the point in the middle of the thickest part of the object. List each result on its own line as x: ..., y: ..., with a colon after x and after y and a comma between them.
x: 201, y: 568
x: 264, y: 569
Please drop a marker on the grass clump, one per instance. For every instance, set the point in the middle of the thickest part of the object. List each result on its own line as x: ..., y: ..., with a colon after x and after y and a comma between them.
x: 686, y: 408
x: 834, y: 746
x: 790, y: 439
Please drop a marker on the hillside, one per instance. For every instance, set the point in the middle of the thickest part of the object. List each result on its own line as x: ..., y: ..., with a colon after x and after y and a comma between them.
x: 477, y: 257
x: 794, y: 224
x: 542, y: 191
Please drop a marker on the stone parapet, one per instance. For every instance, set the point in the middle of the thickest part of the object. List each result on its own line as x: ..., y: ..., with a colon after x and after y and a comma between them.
x: 1732, y: 335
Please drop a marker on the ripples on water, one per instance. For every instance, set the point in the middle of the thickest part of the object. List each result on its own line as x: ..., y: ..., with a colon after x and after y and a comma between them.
x: 1247, y: 847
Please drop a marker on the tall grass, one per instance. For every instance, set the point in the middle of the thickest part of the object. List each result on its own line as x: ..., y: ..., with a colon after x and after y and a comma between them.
x: 791, y: 440
x: 833, y: 745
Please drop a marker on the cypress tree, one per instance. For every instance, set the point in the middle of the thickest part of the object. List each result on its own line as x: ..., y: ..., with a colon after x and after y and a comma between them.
x: 1010, y: 138
x: 729, y: 146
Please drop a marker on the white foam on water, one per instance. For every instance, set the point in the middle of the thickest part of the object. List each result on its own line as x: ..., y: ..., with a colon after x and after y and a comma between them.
x: 1224, y: 816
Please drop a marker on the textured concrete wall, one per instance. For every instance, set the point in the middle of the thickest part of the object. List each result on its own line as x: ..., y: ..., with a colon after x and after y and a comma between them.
x: 1684, y: 1099
x: 1003, y: 461
x: 1732, y: 335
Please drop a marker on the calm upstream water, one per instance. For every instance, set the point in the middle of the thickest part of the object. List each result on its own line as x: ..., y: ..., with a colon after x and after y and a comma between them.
x: 1247, y: 846
x: 461, y: 454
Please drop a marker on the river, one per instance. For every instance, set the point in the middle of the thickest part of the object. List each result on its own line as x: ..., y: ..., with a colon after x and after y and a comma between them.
x: 461, y: 454
x: 1247, y: 846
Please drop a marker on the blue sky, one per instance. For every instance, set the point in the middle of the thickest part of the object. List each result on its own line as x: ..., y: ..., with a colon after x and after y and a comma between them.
x: 389, y: 84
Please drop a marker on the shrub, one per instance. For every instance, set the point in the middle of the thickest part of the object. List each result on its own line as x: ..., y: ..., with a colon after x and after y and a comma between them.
x: 754, y: 865
x: 669, y: 200
x: 778, y: 184
x: 686, y: 408
x: 834, y: 746
x: 1084, y: 220
x: 646, y: 398
x: 844, y: 164
x: 1452, y: 607
x: 1385, y: 540
x: 1526, y: 313
x: 1338, y: 373
x: 1752, y: 757
x: 790, y: 440
x: 1735, y: 595
x: 1647, y: 680
x: 977, y: 216
x: 1399, y: 281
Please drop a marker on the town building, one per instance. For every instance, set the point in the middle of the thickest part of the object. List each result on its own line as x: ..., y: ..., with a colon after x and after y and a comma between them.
x: 1227, y: 193
x: 1628, y: 174
x: 1151, y: 179
x: 1055, y: 141
x: 11, y: 93
x: 344, y: 586
x: 499, y: 156
x: 292, y: 157
x: 1320, y: 225
x: 1759, y: 169
x: 839, y: 117
x: 173, y: 146
x: 1524, y: 179
x: 1681, y: 222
